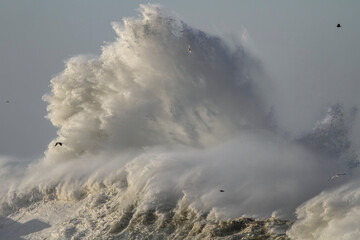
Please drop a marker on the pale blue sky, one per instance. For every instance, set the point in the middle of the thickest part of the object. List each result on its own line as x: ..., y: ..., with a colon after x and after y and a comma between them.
x: 297, y: 41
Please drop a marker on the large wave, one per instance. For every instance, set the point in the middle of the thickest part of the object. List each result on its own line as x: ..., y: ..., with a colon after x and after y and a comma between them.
x: 152, y: 131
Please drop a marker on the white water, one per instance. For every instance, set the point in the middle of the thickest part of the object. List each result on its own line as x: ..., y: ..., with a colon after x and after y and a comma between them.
x: 149, y: 126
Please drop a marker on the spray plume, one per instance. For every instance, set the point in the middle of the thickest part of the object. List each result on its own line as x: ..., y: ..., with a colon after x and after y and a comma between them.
x: 148, y: 127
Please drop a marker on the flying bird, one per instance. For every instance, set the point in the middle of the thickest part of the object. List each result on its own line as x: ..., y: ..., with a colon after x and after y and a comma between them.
x: 222, y: 190
x: 7, y: 101
x: 336, y: 176
x: 189, y: 48
x: 339, y: 25
x: 58, y: 143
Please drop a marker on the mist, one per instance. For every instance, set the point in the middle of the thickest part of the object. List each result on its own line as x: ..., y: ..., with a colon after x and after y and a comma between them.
x: 163, y: 127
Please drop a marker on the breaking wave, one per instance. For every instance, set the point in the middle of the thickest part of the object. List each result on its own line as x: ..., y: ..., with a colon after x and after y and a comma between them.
x: 152, y: 131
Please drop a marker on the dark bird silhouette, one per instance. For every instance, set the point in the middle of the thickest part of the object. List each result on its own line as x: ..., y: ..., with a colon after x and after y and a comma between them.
x: 7, y: 101
x: 58, y: 143
x: 222, y: 190
x: 189, y: 48
x: 339, y: 25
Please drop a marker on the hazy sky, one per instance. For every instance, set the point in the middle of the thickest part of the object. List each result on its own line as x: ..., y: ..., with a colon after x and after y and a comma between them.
x: 298, y: 43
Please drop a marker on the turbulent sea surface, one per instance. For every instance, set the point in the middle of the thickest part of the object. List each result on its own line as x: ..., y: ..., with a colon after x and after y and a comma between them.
x: 152, y: 132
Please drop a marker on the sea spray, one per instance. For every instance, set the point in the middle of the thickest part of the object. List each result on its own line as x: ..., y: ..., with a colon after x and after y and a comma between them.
x: 152, y: 132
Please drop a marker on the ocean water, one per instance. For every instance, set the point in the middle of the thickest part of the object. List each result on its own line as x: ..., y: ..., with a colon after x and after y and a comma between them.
x: 152, y: 132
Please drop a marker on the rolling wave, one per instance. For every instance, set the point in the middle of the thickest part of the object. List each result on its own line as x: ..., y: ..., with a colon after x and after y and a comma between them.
x: 151, y: 131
